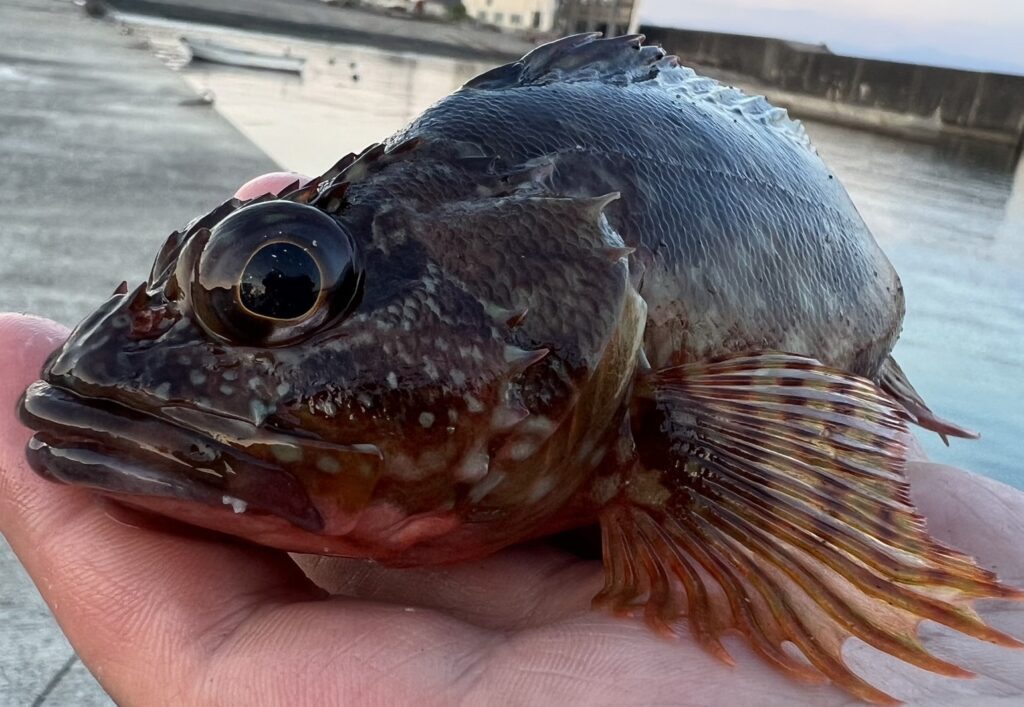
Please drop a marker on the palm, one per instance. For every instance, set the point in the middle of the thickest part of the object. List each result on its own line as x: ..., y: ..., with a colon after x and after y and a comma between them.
x: 186, y: 617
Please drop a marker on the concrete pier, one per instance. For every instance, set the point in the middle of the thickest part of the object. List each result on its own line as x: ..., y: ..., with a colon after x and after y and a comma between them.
x: 103, y: 154
x: 313, y: 19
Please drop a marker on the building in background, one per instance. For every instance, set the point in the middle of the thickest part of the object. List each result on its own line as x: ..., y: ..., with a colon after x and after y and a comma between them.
x: 522, y: 15
x: 439, y: 9
x: 610, y: 17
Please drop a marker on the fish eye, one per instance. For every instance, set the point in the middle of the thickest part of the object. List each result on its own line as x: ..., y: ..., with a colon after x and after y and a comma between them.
x: 272, y: 273
x: 280, y: 281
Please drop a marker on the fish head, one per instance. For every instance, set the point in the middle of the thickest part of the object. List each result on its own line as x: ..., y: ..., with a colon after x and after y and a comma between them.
x: 348, y: 375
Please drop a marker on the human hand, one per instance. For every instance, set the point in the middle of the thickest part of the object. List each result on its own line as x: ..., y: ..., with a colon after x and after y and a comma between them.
x: 167, y: 615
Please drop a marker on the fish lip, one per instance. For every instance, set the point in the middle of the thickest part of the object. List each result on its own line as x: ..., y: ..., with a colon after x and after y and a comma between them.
x: 105, y: 445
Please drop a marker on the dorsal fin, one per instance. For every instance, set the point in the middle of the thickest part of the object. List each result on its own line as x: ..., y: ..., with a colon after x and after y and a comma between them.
x: 627, y: 60
x: 578, y: 57
x: 686, y: 81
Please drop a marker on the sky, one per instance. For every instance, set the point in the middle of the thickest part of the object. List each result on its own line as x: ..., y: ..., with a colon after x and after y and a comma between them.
x: 970, y: 34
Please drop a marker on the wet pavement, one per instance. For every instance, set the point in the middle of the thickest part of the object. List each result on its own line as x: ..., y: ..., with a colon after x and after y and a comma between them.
x: 102, y: 157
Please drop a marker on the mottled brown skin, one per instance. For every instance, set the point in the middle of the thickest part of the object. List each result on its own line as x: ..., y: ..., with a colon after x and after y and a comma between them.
x: 488, y: 206
x: 589, y: 286
x: 429, y: 428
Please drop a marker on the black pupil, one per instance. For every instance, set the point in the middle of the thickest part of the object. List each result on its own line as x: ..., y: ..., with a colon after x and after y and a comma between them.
x: 281, y: 281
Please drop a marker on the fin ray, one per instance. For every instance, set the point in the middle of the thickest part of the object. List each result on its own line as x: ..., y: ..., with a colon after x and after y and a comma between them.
x: 771, y: 500
x: 577, y: 57
x: 894, y: 381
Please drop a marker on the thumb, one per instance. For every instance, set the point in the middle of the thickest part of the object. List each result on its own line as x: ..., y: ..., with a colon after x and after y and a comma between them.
x: 134, y: 602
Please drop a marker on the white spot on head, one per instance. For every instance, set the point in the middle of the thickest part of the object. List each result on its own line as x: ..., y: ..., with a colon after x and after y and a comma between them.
x: 403, y: 467
x: 482, y: 489
x: 427, y: 419
x: 539, y: 424
x: 523, y: 449
x: 474, y: 466
x: 584, y: 451
x: 473, y: 404
x: 237, y: 504
x: 392, y: 380
x: 258, y: 410
x: 458, y: 377
x: 162, y: 391
x: 328, y: 465
x: 504, y: 417
x: 287, y: 453
x: 226, y: 389
x: 283, y: 389
x: 540, y: 489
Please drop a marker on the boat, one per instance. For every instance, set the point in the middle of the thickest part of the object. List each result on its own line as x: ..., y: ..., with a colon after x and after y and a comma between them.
x: 214, y: 52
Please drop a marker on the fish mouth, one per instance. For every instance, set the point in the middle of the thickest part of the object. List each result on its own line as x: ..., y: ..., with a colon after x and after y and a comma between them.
x: 107, y: 446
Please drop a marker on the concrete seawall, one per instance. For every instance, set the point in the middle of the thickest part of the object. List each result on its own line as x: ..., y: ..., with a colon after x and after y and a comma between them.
x: 907, y: 99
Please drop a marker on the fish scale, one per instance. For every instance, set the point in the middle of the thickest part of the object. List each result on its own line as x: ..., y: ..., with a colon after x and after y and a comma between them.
x: 718, y: 186
x: 589, y: 287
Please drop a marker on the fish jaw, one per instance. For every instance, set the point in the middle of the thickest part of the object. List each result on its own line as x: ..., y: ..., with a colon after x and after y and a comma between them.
x: 380, y: 532
x: 114, y: 449
x: 156, y: 465
x: 141, y: 461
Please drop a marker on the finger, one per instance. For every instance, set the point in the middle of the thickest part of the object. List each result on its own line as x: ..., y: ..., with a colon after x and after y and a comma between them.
x: 985, y: 519
x: 266, y: 646
x: 182, y: 619
x: 975, y: 514
x: 129, y: 599
x: 915, y: 452
x: 522, y: 587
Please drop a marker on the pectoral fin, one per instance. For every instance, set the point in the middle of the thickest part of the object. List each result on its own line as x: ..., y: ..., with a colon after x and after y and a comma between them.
x: 768, y: 497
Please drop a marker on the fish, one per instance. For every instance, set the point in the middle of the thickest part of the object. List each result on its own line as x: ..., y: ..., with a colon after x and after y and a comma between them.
x: 590, y: 288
